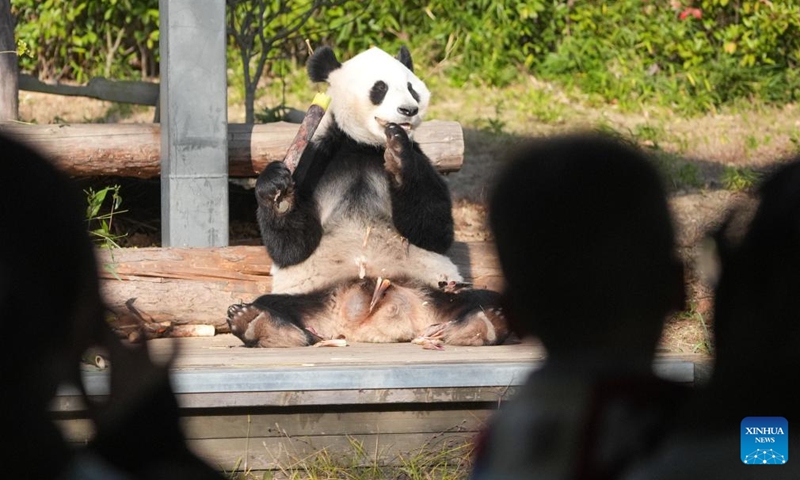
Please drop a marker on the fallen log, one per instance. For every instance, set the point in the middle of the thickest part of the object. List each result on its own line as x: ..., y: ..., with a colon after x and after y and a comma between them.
x: 195, y: 286
x: 134, y: 149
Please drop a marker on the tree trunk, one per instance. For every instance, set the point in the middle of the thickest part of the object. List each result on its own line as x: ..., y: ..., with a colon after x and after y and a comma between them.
x: 249, y: 104
x: 197, y: 285
x: 9, y: 90
x: 134, y: 149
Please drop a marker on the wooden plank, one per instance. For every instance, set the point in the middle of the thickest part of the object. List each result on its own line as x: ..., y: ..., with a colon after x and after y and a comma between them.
x: 321, y: 422
x: 211, y: 373
x: 120, y: 91
x: 342, y: 397
x: 227, y: 350
x: 134, y: 150
x: 303, y: 378
x: 268, y: 442
x: 197, y: 285
x: 243, y: 263
x: 318, y: 398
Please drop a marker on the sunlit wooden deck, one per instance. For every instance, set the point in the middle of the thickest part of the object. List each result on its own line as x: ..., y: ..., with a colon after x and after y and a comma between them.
x: 264, y: 408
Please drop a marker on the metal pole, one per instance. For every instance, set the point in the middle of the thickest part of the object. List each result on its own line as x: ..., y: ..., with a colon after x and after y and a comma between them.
x: 194, y: 117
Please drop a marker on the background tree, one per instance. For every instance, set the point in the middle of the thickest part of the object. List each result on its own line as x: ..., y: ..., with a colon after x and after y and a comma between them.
x: 261, y: 29
x: 9, y: 97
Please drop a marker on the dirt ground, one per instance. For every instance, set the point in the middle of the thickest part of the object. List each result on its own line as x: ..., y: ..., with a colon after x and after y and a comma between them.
x: 696, y: 208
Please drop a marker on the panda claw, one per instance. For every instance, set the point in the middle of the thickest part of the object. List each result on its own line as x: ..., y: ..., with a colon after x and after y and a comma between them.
x: 275, y: 187
x: 429, y: 343
x: 396, y: 132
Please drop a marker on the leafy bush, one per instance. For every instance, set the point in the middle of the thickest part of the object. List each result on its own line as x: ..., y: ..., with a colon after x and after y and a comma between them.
x: 100, y: 216
x: 79, y: 39
x: 693, y: 55
x: 483, y: 39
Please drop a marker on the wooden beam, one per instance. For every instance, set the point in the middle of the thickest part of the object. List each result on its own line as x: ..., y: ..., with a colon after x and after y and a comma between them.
x: 134, y: 150
x: 197, y: 285
x: 139, y: 93
x: 279, y: 424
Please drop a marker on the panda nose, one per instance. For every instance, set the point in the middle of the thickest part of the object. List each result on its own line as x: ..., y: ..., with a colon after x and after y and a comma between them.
x: 408, y: 111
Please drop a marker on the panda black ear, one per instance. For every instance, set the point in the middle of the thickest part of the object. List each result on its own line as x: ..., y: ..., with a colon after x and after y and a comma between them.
x: 321, y: 63
x: 405, y: 58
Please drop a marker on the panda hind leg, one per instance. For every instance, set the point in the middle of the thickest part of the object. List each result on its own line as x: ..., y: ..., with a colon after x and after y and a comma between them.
x: 257, y: 325
x: 470, y: 317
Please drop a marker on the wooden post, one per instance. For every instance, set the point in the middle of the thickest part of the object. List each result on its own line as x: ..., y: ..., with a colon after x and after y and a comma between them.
x: 9, y: 93
x: 194, y: 140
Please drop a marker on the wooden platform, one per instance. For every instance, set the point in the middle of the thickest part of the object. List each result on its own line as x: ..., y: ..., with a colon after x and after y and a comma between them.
x: 258, y: 409
x: 266, y: 409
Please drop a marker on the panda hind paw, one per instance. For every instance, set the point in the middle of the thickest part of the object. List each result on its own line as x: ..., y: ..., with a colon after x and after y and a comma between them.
x: 240, y: 315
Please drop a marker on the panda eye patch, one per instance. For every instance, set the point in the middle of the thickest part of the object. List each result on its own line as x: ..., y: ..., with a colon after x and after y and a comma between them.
x: 413, y: 92
x: 378, y: 92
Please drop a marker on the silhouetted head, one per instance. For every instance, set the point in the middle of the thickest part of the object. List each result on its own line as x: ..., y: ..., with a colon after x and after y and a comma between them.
x: 49, y: 293
x: 757, y: 307
x: 586, y: 243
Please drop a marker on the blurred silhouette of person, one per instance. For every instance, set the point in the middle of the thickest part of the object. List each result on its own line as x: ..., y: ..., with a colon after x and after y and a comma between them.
x: 757, y: 345
x: 51, y: 311
x: 586, y: 244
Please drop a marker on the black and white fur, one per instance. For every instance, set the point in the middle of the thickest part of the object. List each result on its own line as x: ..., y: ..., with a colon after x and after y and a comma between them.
x: 358, y: 233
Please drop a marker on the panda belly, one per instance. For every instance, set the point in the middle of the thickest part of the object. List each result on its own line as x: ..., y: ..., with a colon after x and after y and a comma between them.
x: 354, y: 249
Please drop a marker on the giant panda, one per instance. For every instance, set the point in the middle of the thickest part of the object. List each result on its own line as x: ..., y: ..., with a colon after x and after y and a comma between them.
x: 358, y: 233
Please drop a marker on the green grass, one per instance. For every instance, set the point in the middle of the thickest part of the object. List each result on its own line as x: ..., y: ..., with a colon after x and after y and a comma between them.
x: 695, y: 148
x: 739, y: 178
x: 435, y: 461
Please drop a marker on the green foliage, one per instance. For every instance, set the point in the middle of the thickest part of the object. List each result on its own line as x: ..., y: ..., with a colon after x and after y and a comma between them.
x: 693, y: 56
x: 632, y: 52
x: 739, y: 178
x: 272, y: 114
x: 626, y: 52
x: 100, y: 215
x: 23, y: 50
x: 795, y: 139
x: 79, y: 39
x: 487, y: 40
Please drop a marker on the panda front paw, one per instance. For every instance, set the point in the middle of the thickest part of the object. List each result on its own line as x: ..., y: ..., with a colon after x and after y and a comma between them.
x: 275, y: 188
x: 398, y: 145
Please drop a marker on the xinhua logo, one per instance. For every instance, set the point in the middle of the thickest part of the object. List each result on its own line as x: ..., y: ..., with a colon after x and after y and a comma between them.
x: 765, y: 441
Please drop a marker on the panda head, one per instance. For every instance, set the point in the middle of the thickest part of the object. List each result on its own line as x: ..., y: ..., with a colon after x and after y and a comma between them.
x: 370, y: 90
